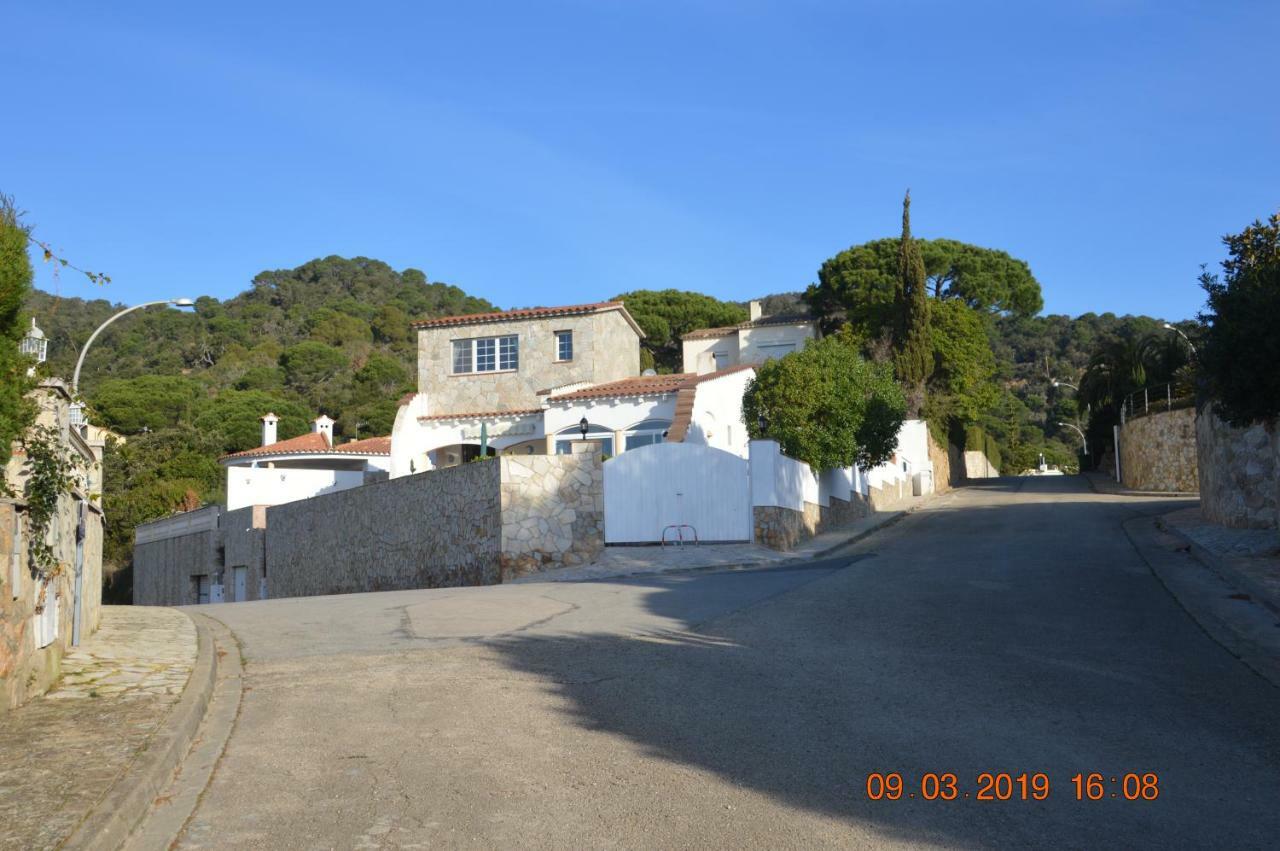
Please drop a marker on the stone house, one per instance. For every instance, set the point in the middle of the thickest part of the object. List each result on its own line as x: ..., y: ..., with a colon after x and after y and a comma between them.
x: 40, y: 620
x: 755, y: 341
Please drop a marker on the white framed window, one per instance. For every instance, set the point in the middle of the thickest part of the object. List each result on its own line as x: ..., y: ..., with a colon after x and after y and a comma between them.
x: 486, y: 354
x: 776, y: 350
x: 647, y: 432
x: 564, y: 345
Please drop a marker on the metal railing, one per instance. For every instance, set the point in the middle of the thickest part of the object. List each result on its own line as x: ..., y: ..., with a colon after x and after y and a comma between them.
x: 1154, y: 399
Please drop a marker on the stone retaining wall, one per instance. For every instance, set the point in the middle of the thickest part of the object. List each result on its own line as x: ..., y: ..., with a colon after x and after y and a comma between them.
x: 1239, y: 472
x: 552, y: 512
x: 1158, y: 452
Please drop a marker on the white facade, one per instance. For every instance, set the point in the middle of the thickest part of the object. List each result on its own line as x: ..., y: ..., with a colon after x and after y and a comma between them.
x: 277, y: 485
x: 753, y: 342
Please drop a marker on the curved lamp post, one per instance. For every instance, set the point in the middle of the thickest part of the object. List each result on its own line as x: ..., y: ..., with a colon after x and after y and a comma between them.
x: 173, y: 302
x: 1084, y: 440
x: 1179, y: 332
x: 1059, y: 382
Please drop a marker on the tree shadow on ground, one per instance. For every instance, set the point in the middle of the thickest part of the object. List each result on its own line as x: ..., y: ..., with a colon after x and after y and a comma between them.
x: 1006, y: 636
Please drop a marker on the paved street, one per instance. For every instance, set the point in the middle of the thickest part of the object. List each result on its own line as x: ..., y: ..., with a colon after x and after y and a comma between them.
x: 1010, y: 627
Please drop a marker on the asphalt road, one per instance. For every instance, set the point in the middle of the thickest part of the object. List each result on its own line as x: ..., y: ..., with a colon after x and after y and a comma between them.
x: 1008, y: 628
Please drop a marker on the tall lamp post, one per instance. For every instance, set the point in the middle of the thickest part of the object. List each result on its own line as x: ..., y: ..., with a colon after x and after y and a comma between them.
x: 172, y: 302
x: 1169, y: 327
x: 1084, y: 440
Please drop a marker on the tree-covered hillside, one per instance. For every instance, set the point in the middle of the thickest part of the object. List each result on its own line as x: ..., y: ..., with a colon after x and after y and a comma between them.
x: 184, y: 387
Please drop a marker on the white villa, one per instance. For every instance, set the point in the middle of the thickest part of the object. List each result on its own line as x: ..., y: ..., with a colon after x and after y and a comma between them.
x: 302, y: 467
x: 755, y: 341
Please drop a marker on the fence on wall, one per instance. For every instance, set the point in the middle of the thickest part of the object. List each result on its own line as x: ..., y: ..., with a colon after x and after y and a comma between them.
x: 1154, y: 399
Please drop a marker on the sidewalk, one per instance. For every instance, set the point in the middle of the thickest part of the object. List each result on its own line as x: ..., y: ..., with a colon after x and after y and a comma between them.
x: 619, y: 561
x: 63, y: 753
x: 1248, y: 557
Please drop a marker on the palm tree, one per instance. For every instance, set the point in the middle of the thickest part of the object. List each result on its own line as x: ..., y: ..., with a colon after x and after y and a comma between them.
x: 1116, y: 369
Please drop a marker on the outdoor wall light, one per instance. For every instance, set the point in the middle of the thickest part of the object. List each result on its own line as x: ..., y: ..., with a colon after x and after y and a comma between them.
x: 583, y: 425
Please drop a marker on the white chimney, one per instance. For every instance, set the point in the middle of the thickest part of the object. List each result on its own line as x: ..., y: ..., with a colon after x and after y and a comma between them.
x: 323, y: 425
x: 269, y: 428
x: 754, y: 308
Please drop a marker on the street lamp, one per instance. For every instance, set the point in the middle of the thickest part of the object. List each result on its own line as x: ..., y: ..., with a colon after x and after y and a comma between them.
x: 1084, y: 440
x: 1059, y: 382
x: 172, y: 302
x: 1178, y: 330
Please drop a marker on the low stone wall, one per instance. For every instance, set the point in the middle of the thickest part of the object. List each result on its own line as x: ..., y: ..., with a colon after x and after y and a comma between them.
x: 1158, y: 452
x: 167, y: 553
x: 978, y: 466
x: 1239, y: 472
x: 430, y: 530
x: 552, y: 512
x: 948, y: 466
x: 475, y: 524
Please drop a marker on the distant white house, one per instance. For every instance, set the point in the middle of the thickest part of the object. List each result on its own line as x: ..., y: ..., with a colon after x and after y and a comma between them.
x: 302, y: 467
x: 755, y: 341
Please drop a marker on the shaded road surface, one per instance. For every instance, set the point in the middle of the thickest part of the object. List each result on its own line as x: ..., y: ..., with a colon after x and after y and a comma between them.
x: 1007, y: 628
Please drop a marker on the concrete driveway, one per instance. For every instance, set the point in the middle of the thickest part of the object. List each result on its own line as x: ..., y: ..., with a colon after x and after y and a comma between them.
x: 1010, y: 628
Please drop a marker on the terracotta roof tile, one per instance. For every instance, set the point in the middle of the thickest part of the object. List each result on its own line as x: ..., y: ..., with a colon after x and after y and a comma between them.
x: 642, y: 385
x: 525, y: 313
x: 482, y: 415
x: 314, y: 443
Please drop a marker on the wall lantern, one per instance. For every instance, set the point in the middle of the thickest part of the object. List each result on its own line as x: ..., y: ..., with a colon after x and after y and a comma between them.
x: 583, y: 425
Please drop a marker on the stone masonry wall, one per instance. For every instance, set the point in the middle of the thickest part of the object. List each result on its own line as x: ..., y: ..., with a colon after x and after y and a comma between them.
x: 606, y: 348
x: 1158, y: 452
x: 978, y: 466
x: 430, y: 530
x: 244, y: 544
x: 948, y: 465
x: 1239, y: 472
x: 552, y: 511
x: 782, y: 528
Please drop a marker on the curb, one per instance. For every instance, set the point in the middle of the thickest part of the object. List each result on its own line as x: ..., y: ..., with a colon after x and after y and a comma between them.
x: 1121, y: 490
x: 170, y: 813
x: 119, y: 811
x: 1220, y: 566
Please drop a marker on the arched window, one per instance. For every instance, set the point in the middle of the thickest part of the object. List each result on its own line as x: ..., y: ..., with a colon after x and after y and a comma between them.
x: 647, y: 432
x: 599, y: 434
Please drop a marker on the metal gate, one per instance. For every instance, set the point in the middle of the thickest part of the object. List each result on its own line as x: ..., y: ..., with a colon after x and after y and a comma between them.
x: 650, y: 488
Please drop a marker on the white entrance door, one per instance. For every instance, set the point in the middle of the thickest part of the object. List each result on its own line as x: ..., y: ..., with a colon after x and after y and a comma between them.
x: 651, y: 488
x: 239, y: 578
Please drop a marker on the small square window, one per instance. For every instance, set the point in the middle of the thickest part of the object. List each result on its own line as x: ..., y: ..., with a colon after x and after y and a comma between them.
x: 486, y: 354
x: 564, y: 345
x: 509, y: 352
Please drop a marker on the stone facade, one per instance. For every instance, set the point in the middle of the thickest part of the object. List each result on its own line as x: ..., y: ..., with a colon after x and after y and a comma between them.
x: 552, y: 512
x: 26, y: 668
x: 170, y: 554
x: 1158, y: 452
x: 1239, y: 472
x: 605, y: 348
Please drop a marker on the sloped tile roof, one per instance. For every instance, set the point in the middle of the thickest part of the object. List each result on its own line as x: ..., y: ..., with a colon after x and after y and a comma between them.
x: 314, y: 443
x: 481, y: 415
x: 528, y: 313
x: 647, y: 385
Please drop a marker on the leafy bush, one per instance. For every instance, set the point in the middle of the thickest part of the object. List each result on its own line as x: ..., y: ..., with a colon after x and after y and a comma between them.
x: 826, y: 405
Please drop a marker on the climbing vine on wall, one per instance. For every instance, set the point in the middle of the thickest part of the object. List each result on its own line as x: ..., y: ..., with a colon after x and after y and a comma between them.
x: 50, y: 475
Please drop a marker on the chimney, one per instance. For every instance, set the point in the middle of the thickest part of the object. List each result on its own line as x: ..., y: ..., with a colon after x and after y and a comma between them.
x: 323, y: 425
x: 269, y: 428
x: 754, y: 308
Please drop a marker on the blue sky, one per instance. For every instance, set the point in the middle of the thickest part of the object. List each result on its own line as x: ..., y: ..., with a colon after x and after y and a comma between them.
x: 555, y: 152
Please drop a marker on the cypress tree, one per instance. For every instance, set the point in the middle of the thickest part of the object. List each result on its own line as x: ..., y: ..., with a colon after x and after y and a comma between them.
x: 15, y: 282
x: 913, y: 363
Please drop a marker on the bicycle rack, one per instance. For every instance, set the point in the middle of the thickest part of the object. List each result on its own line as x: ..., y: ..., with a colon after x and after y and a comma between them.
x: 679, y: 529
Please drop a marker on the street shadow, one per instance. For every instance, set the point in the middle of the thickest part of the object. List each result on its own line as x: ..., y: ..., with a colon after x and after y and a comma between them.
x: 980, y: 636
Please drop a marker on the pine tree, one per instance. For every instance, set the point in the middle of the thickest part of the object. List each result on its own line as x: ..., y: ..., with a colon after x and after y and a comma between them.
x: 913, y: 363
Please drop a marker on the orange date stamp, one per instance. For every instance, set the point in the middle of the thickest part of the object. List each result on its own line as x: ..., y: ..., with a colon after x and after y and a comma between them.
x: 1005, y: 786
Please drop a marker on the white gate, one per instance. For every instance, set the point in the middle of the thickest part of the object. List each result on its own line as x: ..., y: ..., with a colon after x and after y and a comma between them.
x: 649, y: 488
